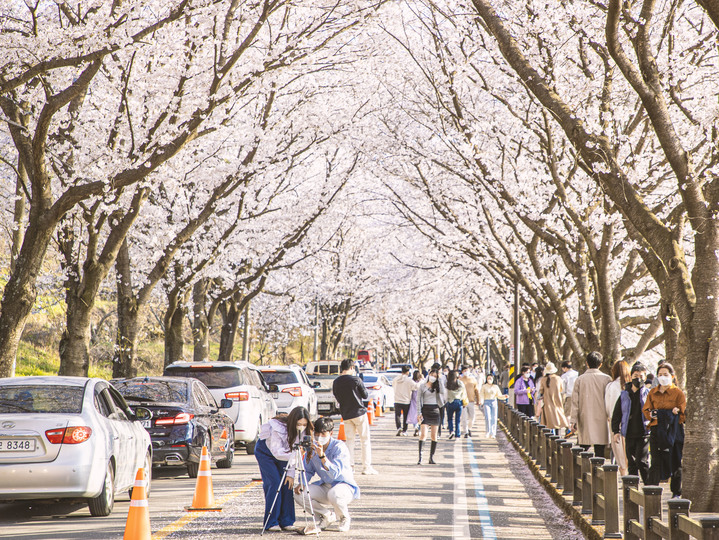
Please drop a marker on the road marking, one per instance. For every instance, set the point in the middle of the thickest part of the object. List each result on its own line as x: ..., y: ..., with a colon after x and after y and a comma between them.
x: 187, y: 518
x: 485, y: 519
x: 460, y: 528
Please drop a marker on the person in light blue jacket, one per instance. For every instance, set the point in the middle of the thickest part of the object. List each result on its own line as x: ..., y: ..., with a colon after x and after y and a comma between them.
x: 336, y: 487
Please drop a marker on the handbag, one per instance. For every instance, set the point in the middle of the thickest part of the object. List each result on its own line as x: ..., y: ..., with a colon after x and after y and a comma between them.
x: 465, y: 402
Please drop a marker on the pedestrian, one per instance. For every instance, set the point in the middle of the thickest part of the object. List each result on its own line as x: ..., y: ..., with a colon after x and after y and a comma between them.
x: 569, y: 375
x: 488, y: 396
x: 504, y: 381
x: 655, y: 382
x: 523, y: 392
x: 350, y: 393
x: 274, y: 454
x: 412, y: 415
x: 620, y: 378
x: 589, y: 417
x: 456, y: 400
x: 469, y: 413
x: 664, y: 408
x: 538, y: 376
x: 403, y: 387
x: 533, y: 373
x: 430, y: 399
x: 336, y: 487
x: 629, y: 424
x: 443, y: 370
x: 550, y: 387
x: 649, y: 382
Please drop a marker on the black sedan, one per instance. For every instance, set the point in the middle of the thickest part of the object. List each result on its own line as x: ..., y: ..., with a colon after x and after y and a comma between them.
x: 185, y: 417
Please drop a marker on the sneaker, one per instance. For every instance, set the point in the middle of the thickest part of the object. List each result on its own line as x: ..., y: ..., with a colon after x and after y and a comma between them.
x: 466, y: 435
x: 451, y: 436
x: 311, y: 529
x: 369, y: 470
x: 274, y: 528
x: 325, y: 521
x: 416, y: 433
x: 344, y: 525
x: 469, y: 432
x: 399, y: 432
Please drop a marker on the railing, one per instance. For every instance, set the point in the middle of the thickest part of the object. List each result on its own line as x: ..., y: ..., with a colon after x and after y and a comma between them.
x: 592, y: 485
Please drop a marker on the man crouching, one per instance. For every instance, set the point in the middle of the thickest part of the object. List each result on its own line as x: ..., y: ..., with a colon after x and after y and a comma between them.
x: 336, y: 488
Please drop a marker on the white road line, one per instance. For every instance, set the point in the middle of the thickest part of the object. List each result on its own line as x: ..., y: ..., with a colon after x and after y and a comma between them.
x: 485, y: 519
x: 460, y: 528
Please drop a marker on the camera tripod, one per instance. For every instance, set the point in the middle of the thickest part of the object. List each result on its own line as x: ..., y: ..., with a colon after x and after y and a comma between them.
x: 301, y: 481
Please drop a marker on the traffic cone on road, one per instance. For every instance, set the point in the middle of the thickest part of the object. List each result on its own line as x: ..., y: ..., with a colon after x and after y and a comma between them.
x: 138, y: 518
x: 341, y: 434
x: 204, y: 498
x: 378, y: 412
x: 370, y: 413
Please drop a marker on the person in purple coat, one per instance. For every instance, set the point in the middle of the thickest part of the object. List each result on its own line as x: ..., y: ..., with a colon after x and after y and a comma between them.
x: 524, y: 392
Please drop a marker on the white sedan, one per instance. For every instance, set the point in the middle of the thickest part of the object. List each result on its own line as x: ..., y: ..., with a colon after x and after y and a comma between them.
x: 379, y: 387
x: 69, y: 438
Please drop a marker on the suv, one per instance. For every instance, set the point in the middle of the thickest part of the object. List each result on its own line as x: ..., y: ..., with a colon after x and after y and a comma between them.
x: 244, y: 385
x: 324, y: 367
x: 295, y: 389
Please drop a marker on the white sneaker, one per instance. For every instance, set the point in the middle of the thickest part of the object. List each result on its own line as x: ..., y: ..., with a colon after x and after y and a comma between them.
x: 325, y: 521
x: 343, y: 525
x: 369, y: 470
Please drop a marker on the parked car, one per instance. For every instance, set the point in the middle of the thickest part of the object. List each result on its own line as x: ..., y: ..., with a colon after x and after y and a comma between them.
x: 323, y: 367
x: 185, y: 417
x: 70, y: 438
x: 294, y: 388
x: 241, y: 382
x: 326, y: 403
x: 379, y: 387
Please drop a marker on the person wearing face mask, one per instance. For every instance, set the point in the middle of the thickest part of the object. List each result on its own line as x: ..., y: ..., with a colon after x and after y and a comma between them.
x: 274, y: 454
x: 629, y: 424
x: 589, y: 417
x: 430, y: 397
x: 620, y: 378
x: 523, y: 391
x: 336, y: 487
x: 488, y: 396
x: 664, y: 408
x: 471, y: 385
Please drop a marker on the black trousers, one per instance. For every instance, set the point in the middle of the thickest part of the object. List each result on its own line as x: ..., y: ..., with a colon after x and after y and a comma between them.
x: 599, y: 449
x: 527, y: 409
x: 673, y: 460
x: 442, y: 410
x: 401, y: 410
x: 637, y: 449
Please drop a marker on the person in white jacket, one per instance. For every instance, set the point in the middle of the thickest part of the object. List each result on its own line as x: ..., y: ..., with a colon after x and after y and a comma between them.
x: 620, y: 378
x: 403, y: 387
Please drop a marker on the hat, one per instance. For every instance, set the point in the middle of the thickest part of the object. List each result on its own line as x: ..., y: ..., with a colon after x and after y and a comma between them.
x: 550, y: 368
x: 638, y: 366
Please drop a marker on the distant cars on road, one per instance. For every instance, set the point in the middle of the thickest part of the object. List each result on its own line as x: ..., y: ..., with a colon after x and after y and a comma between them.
x: 294, y: 388
x: 326, y: 403
x: 69, y: 438
x: 379, y: 388
x: 244, y: 385
x: 185, y: 417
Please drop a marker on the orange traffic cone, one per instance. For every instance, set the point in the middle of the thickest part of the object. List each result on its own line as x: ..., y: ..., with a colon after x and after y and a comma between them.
x: 370, y: 413
x: 204, y: 498
x: 138, y: 518
x: 341, y: 434
x: 378, y: 409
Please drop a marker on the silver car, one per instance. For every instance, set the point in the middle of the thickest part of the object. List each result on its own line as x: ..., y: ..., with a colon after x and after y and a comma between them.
x: 69, y: 438
x: 294, y: 388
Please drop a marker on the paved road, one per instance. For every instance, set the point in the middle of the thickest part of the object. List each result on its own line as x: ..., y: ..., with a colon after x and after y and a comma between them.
x: 480, y: 488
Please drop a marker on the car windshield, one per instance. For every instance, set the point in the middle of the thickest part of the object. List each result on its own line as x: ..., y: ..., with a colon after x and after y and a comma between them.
x: 279, y: 377
x: 213, y: 377
x: 369, y: 379
x: 160, y: 391
x: 41, y: 399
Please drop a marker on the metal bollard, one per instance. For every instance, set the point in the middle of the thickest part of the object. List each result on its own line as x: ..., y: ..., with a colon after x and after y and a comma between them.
x: 652, y: 508
x: 586, y: 482
x: 597, y: 488
x: 631, y: 509
x: 567, y: 468
x: 677, y: 507
x: 611, y: 502
x: 577, y: 474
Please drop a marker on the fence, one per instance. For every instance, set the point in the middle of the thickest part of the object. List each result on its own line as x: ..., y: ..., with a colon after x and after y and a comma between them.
x: 593, y: 485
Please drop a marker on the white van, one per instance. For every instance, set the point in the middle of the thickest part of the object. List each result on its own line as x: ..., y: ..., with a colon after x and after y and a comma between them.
x: 325, y: 367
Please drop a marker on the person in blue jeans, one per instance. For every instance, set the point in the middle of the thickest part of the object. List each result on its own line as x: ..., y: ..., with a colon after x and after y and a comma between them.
x: 488, y: 396
x: 456, y: 398
x: 273, y: 452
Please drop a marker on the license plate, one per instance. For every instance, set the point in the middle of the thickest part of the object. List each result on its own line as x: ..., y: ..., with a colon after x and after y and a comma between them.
x: 274, y: 395
x: 324, y: 407
x: 17, y: 445
x: 146, y: 423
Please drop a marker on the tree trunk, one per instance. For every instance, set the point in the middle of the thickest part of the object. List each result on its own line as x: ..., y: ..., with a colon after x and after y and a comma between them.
x: 75, y: 341
x: 228, y: 334
x: 174, y: 338
x: 18, y: 214
x: 200, y: 327
x: 123, y: 362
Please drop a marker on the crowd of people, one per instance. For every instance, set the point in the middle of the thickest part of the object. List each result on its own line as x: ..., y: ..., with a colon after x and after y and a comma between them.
x: 639, y: 416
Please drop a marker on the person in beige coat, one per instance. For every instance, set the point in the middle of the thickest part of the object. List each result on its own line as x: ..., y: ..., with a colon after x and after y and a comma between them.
x: 589, y: 418
x: 551, y: 387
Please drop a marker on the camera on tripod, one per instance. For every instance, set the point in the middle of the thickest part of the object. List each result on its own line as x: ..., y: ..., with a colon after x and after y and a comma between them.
x: 306, y: 443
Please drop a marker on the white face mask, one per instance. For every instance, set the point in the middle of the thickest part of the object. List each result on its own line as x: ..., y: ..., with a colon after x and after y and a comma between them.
x: 665, y: 380
x: 432, y: 378
x: 323, y: 439
x: 300, y: 429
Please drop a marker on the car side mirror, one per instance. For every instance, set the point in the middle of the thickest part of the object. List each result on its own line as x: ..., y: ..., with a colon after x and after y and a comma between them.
x: 316, y: 384
x: 142, y: 413
x: 273, y: 388
x: 225, y: 403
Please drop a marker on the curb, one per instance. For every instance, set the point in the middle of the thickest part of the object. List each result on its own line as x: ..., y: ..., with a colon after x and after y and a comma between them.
x: 590, y: 531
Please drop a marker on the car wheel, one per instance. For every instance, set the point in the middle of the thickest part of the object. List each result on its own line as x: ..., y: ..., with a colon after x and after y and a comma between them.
x: 229, y: 455
x: 192, y: 467
x: 148, y: 475
x: 102, y: 504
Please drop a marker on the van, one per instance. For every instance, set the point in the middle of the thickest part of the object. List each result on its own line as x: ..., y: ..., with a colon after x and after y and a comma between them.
x: 324, y: 367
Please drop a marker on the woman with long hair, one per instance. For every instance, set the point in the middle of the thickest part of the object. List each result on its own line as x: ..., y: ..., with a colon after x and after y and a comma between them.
x: 664, y: 408
x: 551, y: 388
x: 429, y: 400
x: 538, y: 400
x: 620, y: 379
x: 274, y: 451
x: 412, y: 415
x: 456, y: 399
x: 488, y: 396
